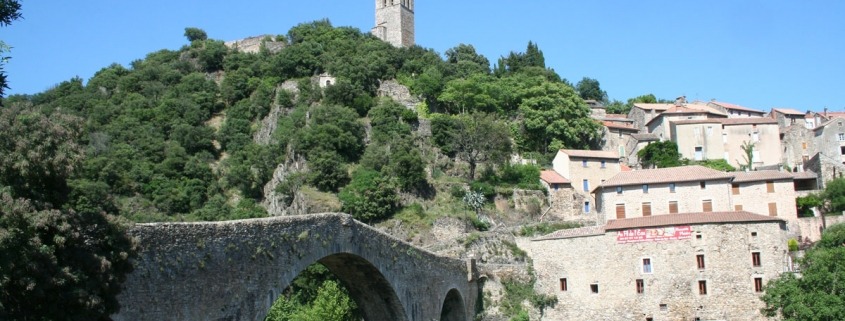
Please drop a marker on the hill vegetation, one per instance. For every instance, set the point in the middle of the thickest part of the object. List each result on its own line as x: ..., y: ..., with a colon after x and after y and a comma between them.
x: 182, y: 135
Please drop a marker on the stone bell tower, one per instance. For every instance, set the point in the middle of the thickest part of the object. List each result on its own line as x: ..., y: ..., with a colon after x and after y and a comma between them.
x: 395, y: 22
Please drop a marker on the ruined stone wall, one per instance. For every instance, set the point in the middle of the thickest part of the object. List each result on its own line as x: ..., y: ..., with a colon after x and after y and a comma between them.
x: 398, y: 92
x: 567, y: 205
x: 671, y: 289
x: 235, y: 270
x: 797, y: 145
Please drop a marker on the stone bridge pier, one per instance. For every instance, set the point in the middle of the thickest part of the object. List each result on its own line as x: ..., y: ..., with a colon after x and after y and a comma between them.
x: 235, y: 270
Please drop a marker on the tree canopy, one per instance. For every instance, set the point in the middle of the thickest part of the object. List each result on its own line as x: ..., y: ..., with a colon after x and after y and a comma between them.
x: 660, y: 155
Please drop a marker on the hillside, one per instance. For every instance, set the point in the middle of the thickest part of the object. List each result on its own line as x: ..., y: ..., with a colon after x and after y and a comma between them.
x: 304, y: 122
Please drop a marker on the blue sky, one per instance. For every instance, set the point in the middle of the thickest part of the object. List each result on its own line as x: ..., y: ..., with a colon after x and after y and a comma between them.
x: 756, y: 53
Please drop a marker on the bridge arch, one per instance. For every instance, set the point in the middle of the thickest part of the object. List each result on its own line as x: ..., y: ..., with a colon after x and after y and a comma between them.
x: 453, y: 307
x: 232, y: 271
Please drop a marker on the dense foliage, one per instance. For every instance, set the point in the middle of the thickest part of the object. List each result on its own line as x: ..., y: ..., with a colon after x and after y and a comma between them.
x: 316, y: 294
x: 660, y: 155
x: 819, y: 293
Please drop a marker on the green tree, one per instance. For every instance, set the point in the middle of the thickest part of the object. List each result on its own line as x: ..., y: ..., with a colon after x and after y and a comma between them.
x: 555, y: 117
x: 589, y: 88
x: 480, y: 138
x: 833, y: 196
x: 818, y: 294
x: 467, y: 61
x: 194, y: 34
x: 717, y: 164
x: 9, y: 11
x: 328, y: 172
x: 748, y: 155
x: 660, y: 155
x: 805, y: 204
x: 370, y: 196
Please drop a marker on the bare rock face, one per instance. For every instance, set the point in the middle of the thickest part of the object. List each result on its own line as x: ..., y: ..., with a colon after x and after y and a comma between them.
x: 399, y: 93
x: 264, y: 134
x: 279, y: 204
x: 253, y: 44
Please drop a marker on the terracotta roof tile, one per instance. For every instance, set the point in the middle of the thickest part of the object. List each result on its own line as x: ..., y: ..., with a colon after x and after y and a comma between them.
x: 553, y: 177
x: 617, y: 117
x: 590, y: 153
x: 787, y: 111
x: 728, y: 121
x: 666, y: 175
x: 736, y: 107
x: 755, y: 176
x: 618, y: 126
x: 653, y: 106
x: 573, y: 232
x: 688, y: 219
x: 625, y: 168
x: 805, y: 175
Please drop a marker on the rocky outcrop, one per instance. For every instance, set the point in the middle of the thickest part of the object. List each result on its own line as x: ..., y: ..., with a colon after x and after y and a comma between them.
x: 399, y: 93
x: 279, y: 203
x: 253, y: 44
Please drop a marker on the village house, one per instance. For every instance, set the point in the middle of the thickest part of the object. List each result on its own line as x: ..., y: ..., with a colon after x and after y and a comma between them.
x: 642, y: 113
x: 787, y: 117
x: 584, y: 169
x: 564, y: 202
x: 798, y: 146
x: 724, y: 138
x: 643, y: 193
x: 660, y: 124
x: 695, y: 266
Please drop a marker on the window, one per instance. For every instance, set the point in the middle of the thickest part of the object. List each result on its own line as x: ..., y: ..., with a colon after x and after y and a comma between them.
x: 640, y: 286
x: 738, y: 207
x: 709, y: 130
x: 758, y: 285
x: 620, y: 211
x: 555, y: 186
x: 647, y: 265
x: 562, y: 284
x: 773, y: 209
x: 702, y: 287
x: 671, y: 187
x: 841, y: 136
x: 586, y: 185
x: 770, y: 187
x: 645, y: 188
x: 664, y: 307
x: 703, y: 184
x: 586, y: 207
x: 735, y: 188
x: 618, y: 189
x: 673, y: 207
x: 803, y: 145
x: 707, y: 206
x: 754, y: 234
x: 724, y: 137
x: 755, y: 259
x: 699, y: 259
x: 842, y: 150
x: 755, y: 136
x: 646, y: 209
x: 584, y: 163
x: 603, y: 164
x: 594, y: 288
x: 699, y: 153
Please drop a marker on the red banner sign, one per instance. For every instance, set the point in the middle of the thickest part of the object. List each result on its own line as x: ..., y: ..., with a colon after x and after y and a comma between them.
x: 654, y: 234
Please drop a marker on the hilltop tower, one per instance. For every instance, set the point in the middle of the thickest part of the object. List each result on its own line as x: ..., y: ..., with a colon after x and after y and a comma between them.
x: 395, y: 22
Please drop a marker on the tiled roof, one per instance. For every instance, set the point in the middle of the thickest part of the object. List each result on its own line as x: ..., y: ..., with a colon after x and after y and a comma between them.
x: 728, y: 121
x: 736, y: 107
x: 755, y: 176
x: 618, y: 126
x: 693, y: 109
x: 653, y: 106
x: 553, y: 177
x: 787, y: 111
x: 625, y: 168
x: 688, y: 219
x: 832, y: 114
x: 618, y: 117
x: 805, y: 175
x: 573, y: 232
x: 590, y: 153
x: 665, y: 175
x: 645, y: 137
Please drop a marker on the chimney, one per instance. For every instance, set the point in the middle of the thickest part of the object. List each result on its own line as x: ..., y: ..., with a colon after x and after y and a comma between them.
x: 825, y: 112
x: 680, y: 101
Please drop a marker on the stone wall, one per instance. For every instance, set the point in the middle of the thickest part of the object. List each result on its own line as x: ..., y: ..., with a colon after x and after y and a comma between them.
x: 797, y: 144
x: 811, y: 227
x: 398, y: 92
x: 671, y: 289
x: 689, y: 196
x: 235, y: 270
x: 254, y: 44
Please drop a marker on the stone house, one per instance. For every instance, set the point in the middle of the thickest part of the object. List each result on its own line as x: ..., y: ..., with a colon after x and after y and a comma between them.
x: 723, y: 138
x: 829, y: 139
x: 564, y: 202
x: 617, y: 136
x: 798, y: 146
x: 735, y: 111
x: 787, y: 117
x: 642, y: 113
x: 767, y: 193
x: 697, y: 266
x: 586, y: 169
x: 643, y: 193
x: 660, y: 124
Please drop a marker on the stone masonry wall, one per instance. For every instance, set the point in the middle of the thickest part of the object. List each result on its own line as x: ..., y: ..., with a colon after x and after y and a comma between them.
x: 689, y: 196
x: 671, y: 290
x: 235, y: 270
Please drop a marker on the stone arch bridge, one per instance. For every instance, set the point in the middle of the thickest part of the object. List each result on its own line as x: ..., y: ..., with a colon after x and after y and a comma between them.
x: 235, y: 270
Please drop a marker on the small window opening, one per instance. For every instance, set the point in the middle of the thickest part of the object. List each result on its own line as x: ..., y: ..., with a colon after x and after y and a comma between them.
x: 640, y: 286
x: 702, y: 287
x: 594, y: 288
x: 563, y: 285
